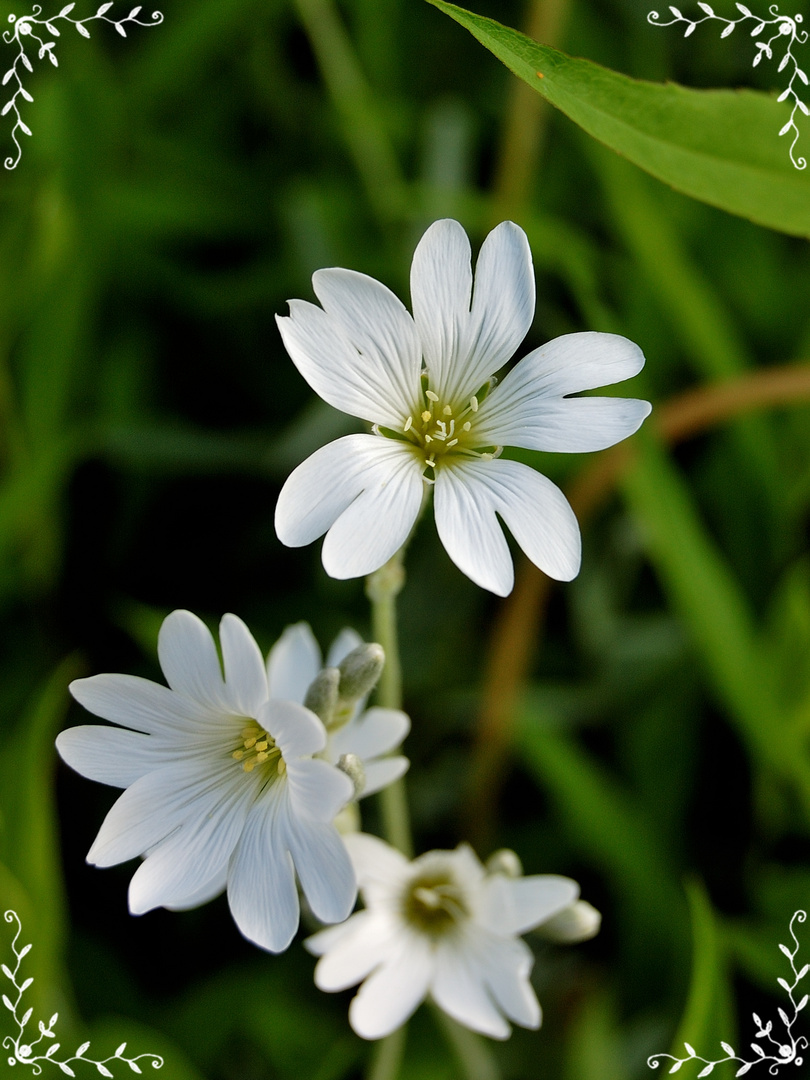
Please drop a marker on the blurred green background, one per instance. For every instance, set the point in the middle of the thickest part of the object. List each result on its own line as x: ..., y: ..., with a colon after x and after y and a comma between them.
x: 179, y: 187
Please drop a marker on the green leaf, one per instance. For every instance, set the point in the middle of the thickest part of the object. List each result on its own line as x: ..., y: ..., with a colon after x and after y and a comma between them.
x: 720, y: 146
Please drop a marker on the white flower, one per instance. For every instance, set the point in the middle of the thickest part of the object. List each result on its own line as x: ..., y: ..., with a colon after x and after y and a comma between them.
x: 370, y: 735
x: 439, y: 926
x: 425, y: 383
x: 222, y: 789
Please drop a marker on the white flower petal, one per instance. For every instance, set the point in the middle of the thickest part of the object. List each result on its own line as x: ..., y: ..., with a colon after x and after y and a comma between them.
x: 352, y: 952
x: 143, y: 705
x: 185, y: 862
x: 382, y: 772
x: 376, y: 524
x: 323, y: 867
x: 373, y: 733
x: 335, y: 370
x: 188, y: 657
x: 318, y: 790
x: 506, y: 965
x: 464, y: 344
x: 467, y: 497
x: 261, y: 881
x: 245, y: 673
x: 458, y: 988
x: 375, y: 862
x: 567, y: 425
x: 293, y: 663
x: 528, y: 409
x: 515, y: 905
x: 298, y: 732
x: 346, y: 641
x: 153, y: 807
x: 376, y: 322
x: 112, y: 756
x: 211, y: 889
x: 364, y: 489
x: 441, y: 289
x: 391, y: 993
x: 576, y: 362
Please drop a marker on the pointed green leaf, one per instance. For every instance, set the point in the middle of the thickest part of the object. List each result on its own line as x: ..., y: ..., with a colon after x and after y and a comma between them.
x: 720, y: 146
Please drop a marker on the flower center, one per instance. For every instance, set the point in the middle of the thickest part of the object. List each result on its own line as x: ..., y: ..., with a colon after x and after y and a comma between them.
x: 259, y: 748
x: 434, y: 903
x: 439, y: 429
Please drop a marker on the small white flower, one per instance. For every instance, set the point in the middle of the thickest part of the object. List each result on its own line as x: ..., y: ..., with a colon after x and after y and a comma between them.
x: 369, y: 734
x: 222, y: 787
x: 439, y: 926
x: 425, y: 383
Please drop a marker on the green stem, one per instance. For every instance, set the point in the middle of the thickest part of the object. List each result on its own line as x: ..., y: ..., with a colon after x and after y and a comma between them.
x: 474, y: 1056
x: 386, y: 1059
x: 382, y: 589
x: 355, y: 101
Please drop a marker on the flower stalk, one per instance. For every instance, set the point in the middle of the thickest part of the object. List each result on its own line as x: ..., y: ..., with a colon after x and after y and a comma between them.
x: 382, y: 589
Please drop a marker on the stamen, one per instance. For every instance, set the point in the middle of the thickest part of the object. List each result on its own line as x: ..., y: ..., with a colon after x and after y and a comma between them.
x: 408, y: 424
x: 447, y: 410
x: 466, y: 426
x: 431, y: 395
x: 237, y: 755
x: 428, y: 438
x: 452, y: 443
x: 474, y: 403
x: 426, y: 415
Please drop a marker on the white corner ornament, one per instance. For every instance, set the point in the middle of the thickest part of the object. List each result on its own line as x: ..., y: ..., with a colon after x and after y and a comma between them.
x: 26, y: 31
x: 426, y: 385
x: 25, y: 1048
x: 780, y: 28
x: 776, y: 1048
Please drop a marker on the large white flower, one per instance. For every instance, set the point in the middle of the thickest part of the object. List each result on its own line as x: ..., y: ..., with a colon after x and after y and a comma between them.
x: 222, y: 786
x: 425, y: 383
x: 440, y: 926
x: 368, y: 734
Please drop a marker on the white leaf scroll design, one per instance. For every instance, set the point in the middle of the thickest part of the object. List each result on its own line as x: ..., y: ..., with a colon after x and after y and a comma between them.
x: 777, y: 1047
x: 776, y: 31
x: 24, y: 1047
x: 30, y: 33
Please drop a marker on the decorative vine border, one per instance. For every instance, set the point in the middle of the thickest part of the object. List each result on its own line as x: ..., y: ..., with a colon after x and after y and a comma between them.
x: 783, y: 27
x: 24, y: 1048
x: 786, y: 1052
x: 25, y: 29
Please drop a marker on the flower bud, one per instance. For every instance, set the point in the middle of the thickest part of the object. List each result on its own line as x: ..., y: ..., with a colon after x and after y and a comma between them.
x: 322, y: 696
x: 360, y: 671
x: 579, y: 922
x: 505, y: 862
x: 353, y: 767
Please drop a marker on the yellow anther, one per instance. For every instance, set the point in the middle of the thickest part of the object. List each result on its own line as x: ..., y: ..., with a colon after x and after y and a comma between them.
x: 251, y: 742
x: 248, y: 731
x: 249, y: 765
x: 447, y: 410
x: 474, y: 403
x: 408, y: 424
x: 261, y: 756
x: 426, y: 415
x: 431, y: 396
x: 237, y: 755
x: 261, y: 745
